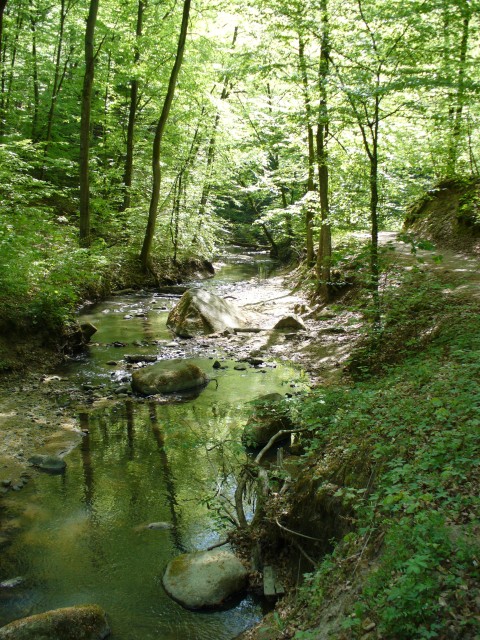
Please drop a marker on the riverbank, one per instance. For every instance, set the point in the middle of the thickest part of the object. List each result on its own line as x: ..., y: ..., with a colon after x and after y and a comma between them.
x: 382, y: 512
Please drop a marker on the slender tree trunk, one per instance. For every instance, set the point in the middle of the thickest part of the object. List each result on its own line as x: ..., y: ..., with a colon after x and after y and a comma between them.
x: 132, y: 113
x: 85, y: 239
x: 105, y: 129
x: 58, y: 76
x: 374, y: 265
x: 212, y: 145
x: 36, y: 89
x: 311, y: 151
x: 324, y: 254
x: 3, y: 4
x: 157, y: 143
x: 7, y: 79
x: 457, y: 110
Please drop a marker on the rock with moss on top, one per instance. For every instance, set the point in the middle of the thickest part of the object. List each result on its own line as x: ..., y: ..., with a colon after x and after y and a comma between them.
x: 71, y: 623
x: 205, y: 579
x: 168, y: 376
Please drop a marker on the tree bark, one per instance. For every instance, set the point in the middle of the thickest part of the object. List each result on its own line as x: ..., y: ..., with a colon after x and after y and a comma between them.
x: 157, y: 143
x: 311, y: 151
x: 324, y: 254
x: 36, y: 89
x: 460, y: 93
x: 212, y: 146
x: 85, y: 239
x: 132, y: 113
x: 58, y: 77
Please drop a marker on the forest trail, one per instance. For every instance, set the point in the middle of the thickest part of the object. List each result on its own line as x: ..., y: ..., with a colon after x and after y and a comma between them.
x: 462, y: 270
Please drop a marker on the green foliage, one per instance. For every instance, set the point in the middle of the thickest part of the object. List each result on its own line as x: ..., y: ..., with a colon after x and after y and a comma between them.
x: 416, y: 428
x: 425, y: 576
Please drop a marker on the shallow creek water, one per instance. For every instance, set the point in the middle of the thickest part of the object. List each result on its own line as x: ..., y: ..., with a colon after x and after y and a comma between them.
x: 81, y: 537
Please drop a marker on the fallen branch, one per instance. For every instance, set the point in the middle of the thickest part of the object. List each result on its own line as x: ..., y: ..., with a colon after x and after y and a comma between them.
x: 280, y: 434
x: 304, y: 553
x: 217, y: 544
x: 297, y: 533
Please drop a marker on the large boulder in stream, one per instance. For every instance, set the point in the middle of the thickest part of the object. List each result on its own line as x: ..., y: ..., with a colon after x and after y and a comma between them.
x: 200, y: 312
x: 72, y: 623
x: 268, y: 417
x: 204, y: 579
x: 168, y: 376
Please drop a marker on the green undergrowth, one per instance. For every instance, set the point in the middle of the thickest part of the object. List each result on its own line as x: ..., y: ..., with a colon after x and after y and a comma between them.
x: 45, y: 276
x: 410, y: 567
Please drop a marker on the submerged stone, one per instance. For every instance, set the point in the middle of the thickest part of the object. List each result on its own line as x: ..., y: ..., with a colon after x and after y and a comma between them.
x: 168, y: 376
x: 71, y: 623
x: 51, y: 464
x: 204, y: 579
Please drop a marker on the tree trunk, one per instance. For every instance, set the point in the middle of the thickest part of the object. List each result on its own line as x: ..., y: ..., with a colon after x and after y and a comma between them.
x: 374, y: 266
x: 212, y: 145
x: 311, y: 151
x: 58, y: 76
x: 157, y: 143
x: 460, y: 94
x: 324, y: 254
x: 85, y: 239
x: 8, y: 81
x: 36, y: 90
x: 132, y: 114
x: 3, y: 4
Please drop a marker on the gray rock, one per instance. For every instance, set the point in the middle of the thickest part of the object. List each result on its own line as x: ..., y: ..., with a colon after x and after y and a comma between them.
x: 12, y: 583
x: 72, y: 623
x: 140, y: 357
x: 51, y: 464
x: 204, y: 579
x: 290, y: 322
x: 160, y: 525
x: 88, y: 329
x: 267, y: 419
x: 200, y: 312
x: 168, y: 376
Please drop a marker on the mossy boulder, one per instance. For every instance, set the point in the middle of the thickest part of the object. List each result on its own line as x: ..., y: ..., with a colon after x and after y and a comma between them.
x: 71, y: 623
x: 268, y: 417
x: 168, y: 376
x: 204, y: 579
x: 50, y: 464
x: 200, y: 312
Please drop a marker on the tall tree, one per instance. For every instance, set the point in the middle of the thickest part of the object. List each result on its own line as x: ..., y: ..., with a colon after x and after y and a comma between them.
x: 324, y: 254
x: 457, y: 107
x: 132, y: 112
x: 311, y: 150
x: 157, y: 143
x: 85, y: 238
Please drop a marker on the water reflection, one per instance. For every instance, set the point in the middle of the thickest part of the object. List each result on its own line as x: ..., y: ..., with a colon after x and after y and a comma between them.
x: 83, y: 537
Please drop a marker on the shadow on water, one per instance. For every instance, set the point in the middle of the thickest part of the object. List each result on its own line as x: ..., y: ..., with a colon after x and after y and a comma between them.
x: 83, y: 537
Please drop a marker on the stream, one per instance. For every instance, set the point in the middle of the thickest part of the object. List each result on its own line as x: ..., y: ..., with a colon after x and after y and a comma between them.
x: 82, y: 537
